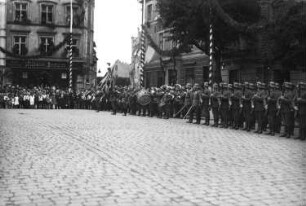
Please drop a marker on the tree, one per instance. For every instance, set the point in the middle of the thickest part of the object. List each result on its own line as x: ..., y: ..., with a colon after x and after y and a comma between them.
x: 189, y: 22
x: 288, y: 35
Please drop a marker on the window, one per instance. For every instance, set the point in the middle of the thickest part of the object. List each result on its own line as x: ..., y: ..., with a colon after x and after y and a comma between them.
x: 161, y: 40
x: 46, y: 14
x: 150, y: 10
x: 46, y: 45
x: 75, y: 49
x: 24, y: 75
x: 21, y: 12
x: 64, y: 75
x: 76, y: 16
x: 189, y: 75
x: 19, y: 47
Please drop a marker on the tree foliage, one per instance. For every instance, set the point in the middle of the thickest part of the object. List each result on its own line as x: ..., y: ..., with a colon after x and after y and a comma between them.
x: 288, y: 35
x: 190, y: 21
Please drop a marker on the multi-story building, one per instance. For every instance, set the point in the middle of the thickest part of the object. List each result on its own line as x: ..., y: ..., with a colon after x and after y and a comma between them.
x: 241, y: 61
x: 246, y: 61
x: 181, y: 69
x: 2, y: 40
x: 34, y: 28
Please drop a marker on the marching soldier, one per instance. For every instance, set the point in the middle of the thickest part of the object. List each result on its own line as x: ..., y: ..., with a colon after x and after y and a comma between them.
x: 235, y: 105
x: 287, y: 109
x: 215, y: 104
x: 271, y: 107
x: 301, y: 102
x: 258, y: 102
x: 196, y: 104
x: 205, y: 103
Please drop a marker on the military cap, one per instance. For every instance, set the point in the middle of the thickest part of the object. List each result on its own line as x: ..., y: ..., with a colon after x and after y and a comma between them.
x: 272, y: 84
x: 252, y: 86
x: 302, y: 85
x: 230, y: 86
x: 215, y: 85
x: 196, y: 86
x: 288, y: 85
x: 276, y: 85
x: 261, y: 85
x: 237, y: 85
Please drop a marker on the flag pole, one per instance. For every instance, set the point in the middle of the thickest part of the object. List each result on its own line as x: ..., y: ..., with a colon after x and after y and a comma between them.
x: 70, y: 46
x: 142, y: 57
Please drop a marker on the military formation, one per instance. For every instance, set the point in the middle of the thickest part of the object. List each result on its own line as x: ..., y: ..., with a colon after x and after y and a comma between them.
x: 259, y: 107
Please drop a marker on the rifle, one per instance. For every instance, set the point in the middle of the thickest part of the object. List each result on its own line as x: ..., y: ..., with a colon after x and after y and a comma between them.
x: 188, y: 112
x: 175, y: 115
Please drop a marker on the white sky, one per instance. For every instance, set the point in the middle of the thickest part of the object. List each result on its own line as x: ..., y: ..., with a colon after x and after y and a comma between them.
x: 116, y: 21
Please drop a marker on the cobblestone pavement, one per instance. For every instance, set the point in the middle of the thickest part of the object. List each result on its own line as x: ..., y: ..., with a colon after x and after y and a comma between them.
x: 74, y: 157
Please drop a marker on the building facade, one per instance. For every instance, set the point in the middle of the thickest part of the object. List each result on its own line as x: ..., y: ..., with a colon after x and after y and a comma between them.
x: 164, y: 70
x: 2, y: 40
x: 242, y: 61
x: 246, y: 62
x: 35, y: 28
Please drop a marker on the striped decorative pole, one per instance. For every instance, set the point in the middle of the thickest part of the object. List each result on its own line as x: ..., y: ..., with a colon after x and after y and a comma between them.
x: 211, y: 46
x: 143, y: 45
x: 142, y: 57
x: 70, y: 46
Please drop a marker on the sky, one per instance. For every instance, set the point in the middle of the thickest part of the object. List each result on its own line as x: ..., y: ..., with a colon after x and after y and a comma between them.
x: 116, y: 21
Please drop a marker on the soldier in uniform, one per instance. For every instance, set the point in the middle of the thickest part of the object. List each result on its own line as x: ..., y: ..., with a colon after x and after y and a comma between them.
x: 246, y: 105
x: 215, y: 104
x: 301, y: 103
x: 124, y: 101
x: 235, y: 105
x: 287, y: 108
x: 224, y: 106
x: 205, y: 95
x: 196, y: 104
x: 113, y: 100
x: 187, y: 99
x: 258, y: 101
x: 271, y: 107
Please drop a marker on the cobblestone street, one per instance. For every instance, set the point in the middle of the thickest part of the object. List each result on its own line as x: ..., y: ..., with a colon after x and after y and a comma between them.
x: 79, y: 157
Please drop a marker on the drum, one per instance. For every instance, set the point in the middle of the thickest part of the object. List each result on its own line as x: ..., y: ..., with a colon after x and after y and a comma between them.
x: 143, y: 97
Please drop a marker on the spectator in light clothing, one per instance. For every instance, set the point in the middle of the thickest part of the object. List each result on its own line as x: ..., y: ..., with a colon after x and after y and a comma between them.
x: 32, y: 101
x: 15, y: 101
